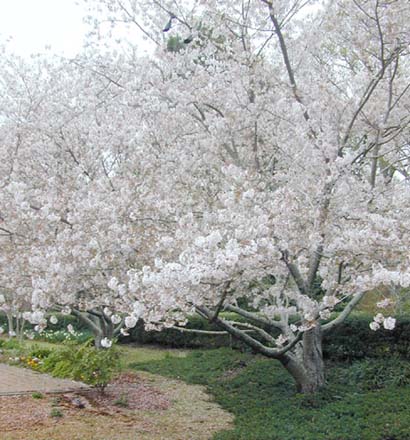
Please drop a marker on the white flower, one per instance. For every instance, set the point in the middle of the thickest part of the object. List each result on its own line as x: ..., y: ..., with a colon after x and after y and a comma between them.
x: 309, y: 316
x: 113, y: 283
x: 330, y: 301
x: 2, y: 299
x: 131, y: 321
x: 1, y: 330
x: 384, y: 303
x: 107, y: 311
x: 66, y: 310
x: 325, y: 314
x: 389, y: 323
x: 122, y: 289
x: 124, y: 332
x: 374, y: 326
x: 70, y: 328
x: 12, y: 333
x: 280, y: 340
x: 293, y: 327
x: 36, y: 317
x: 106, y: 343
x: 379, y: 318
x: 53, y: 319
x: 116, y: 319
x: 138, y: 308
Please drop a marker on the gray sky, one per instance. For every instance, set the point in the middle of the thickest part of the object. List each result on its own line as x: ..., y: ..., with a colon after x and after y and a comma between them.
x: 33, y: 24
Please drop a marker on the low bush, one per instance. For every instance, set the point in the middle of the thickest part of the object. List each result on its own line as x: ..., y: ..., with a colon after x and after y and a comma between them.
x: 85, y: 363
x: 370, y: 375
x: 354, y: 339
x: 10, y: 344
x: 180, y: 339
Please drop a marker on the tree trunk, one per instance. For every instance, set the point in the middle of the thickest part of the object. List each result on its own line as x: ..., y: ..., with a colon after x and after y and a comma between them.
x: 98, y: 337
x: 313, y: 360
x: 10, y: 322
x: 308, y: 369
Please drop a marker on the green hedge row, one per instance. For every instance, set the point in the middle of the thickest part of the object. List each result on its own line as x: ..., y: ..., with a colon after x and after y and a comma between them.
x: 180, y: 339
x: 350, y: 341
x: 353, y: 339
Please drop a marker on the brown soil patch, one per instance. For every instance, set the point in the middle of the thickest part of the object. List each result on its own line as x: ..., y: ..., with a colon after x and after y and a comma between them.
x: 140, y: 406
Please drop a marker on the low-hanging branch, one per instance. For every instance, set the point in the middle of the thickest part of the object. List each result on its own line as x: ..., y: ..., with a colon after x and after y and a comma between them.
x: 275, y: 353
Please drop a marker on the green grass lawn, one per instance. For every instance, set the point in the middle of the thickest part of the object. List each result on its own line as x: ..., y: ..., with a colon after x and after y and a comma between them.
x: 361, y: 402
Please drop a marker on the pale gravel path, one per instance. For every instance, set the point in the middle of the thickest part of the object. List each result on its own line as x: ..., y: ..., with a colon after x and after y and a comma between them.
x: 15, y: 380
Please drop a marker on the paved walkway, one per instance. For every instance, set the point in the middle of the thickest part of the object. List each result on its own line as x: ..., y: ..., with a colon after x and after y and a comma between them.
x: 15, y: 380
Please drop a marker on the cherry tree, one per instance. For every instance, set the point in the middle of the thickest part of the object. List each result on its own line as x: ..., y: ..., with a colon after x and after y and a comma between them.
x: 281, y: 132
x: 259, y: 167
x: 56, y: 175
x: 75, y: 210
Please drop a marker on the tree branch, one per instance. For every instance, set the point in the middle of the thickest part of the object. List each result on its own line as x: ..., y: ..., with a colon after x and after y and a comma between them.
x: 90, y: 323
x: 253, y: 317
x: 346, y: 312
x: 247, y: 339
x: 296, y: 275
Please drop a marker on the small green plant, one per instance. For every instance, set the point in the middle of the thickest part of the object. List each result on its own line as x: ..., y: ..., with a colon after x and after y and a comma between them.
x: 85, y: 363
x: 55, y: 401
x: 37, y: 395
x: 39, y: 352
x: 96, y: 367
x: 122, y: 401
x: 12, y: 344
x: 56, y: 412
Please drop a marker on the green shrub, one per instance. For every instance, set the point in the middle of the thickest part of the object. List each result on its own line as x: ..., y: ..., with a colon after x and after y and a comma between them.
x: 39, y: 352
x: 179, y: 339
x: 11, y: 344
x: 354, y: 340
x: 84, y: 363
x: 97, y: 366
x: 369, y: 374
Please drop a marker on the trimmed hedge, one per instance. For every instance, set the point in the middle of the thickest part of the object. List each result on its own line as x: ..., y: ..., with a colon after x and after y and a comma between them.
x: 180, y: 339
x: 352, y: 340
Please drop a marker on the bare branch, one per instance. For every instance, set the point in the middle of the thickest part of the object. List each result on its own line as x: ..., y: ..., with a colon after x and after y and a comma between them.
x: 346, y: 312
x: 249, y: 340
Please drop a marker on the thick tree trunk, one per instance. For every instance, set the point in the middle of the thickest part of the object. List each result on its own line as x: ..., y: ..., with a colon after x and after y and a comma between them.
x: 313, y: 360
x: 307, y: 369
x: 98, y: 337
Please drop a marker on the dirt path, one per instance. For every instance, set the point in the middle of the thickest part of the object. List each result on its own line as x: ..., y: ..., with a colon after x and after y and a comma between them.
x: 15, y: 380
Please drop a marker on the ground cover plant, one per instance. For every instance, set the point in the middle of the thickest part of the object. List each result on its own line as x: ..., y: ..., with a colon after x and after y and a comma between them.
x: 366, y: 400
